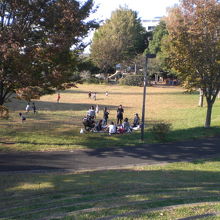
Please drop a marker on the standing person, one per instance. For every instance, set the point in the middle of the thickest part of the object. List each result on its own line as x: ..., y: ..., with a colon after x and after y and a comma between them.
x: 94, y: 95
x: 105, y: 116
x: 28, y: 107
x: 91, y: 113
x: 120, y: 112
x: 58, y: 97
x: 89, y: 94
x: 97, y: 109
x: 34, y: 107
x: 106, y: 93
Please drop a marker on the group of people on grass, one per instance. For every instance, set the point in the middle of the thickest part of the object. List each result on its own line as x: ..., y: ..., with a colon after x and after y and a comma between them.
x: 92, y: 95
x: 28, y: 108
x: 122, y: 126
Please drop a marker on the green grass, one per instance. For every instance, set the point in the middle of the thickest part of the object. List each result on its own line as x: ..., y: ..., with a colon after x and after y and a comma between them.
x: 57, y: 126
x: 168, y: 191
x: 136, y: 193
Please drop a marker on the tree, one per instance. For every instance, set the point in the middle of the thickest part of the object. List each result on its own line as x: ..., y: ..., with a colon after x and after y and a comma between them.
x: 156, y: 46
x: 158, y: 34
x: 118, y: 40
x: 35, y: 41
x: 86, y: 64
x: 194, y: 46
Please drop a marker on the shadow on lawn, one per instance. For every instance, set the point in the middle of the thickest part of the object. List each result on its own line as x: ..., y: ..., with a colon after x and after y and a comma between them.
x: 53, y: 106
x: 156, y: 188
x: 122, y: 178
x: 124, y: 93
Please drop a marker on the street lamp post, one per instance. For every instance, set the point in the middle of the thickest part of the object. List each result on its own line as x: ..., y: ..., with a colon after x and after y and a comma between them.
x: 144, y: 92
x: 144, y: 97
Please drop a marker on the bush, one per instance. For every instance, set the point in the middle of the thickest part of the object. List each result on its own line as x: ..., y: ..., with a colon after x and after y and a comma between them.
x: 4, y: 112
x: 132, y: 80
x: 160, y: 130
x: 93, y: 80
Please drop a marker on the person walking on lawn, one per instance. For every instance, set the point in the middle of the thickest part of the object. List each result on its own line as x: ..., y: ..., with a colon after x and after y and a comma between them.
x: 58, y: 97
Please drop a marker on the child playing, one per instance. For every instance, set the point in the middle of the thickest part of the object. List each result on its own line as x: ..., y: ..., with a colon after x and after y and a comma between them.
x: 22, y: 117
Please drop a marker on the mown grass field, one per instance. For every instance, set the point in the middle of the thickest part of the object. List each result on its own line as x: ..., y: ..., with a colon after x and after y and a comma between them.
x: 56, y: 126
x: 160, y: 192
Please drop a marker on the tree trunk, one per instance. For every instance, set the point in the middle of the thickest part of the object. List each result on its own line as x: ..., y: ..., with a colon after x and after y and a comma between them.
x: 208, y: 114
x: 1, y: 94
x: 4, y: 94
x: 201, y: 98
x: 1, y: 101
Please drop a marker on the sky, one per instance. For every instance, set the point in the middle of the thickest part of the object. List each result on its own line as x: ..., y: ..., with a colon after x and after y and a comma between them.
x: 147, y: 9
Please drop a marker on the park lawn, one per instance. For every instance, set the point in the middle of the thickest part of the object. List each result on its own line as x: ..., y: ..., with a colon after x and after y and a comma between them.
x: 56, y: 126
x: 168, y: 191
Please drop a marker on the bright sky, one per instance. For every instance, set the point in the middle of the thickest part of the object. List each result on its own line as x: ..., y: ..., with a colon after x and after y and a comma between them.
x: 147, y: 9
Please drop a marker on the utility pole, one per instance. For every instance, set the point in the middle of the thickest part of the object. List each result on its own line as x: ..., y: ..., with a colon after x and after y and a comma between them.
x: 144, y: 97
x: 146, y: 57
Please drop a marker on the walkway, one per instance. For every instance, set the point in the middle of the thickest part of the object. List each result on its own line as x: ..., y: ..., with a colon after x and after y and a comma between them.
x: 108, y: 158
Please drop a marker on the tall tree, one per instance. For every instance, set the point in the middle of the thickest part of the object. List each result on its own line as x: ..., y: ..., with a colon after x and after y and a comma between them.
x: 156, y: 47
x: 158, y: 34
x: 194, y: 46
x: 35, y: 41
x: 118, y: 40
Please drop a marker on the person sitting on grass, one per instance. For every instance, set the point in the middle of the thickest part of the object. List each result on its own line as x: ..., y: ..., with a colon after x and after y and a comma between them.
x: 22, y: 117
x: 88, y: 123
x: 112, y: 129
x: 126, y: 125
x: 98, y: 126
x: 136, y: 121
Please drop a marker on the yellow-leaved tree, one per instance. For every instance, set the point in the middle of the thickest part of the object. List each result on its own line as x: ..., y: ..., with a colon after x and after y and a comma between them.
x: 193, y: 46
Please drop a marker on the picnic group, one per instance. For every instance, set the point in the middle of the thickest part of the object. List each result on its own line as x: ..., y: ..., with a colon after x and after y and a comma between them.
x: 122, y: 125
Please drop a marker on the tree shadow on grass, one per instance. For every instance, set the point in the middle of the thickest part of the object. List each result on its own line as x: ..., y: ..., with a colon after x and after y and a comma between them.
x: 53, y: 106
x: 124, y: 93
x: 193, y: 133
x: 149, y: 188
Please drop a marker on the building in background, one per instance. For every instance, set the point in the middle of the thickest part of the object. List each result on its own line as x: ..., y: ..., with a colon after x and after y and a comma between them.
x: 150, y: 24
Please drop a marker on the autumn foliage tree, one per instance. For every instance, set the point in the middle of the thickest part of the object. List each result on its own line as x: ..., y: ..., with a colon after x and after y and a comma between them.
x: 35, y: 41
x: 193, y: 45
